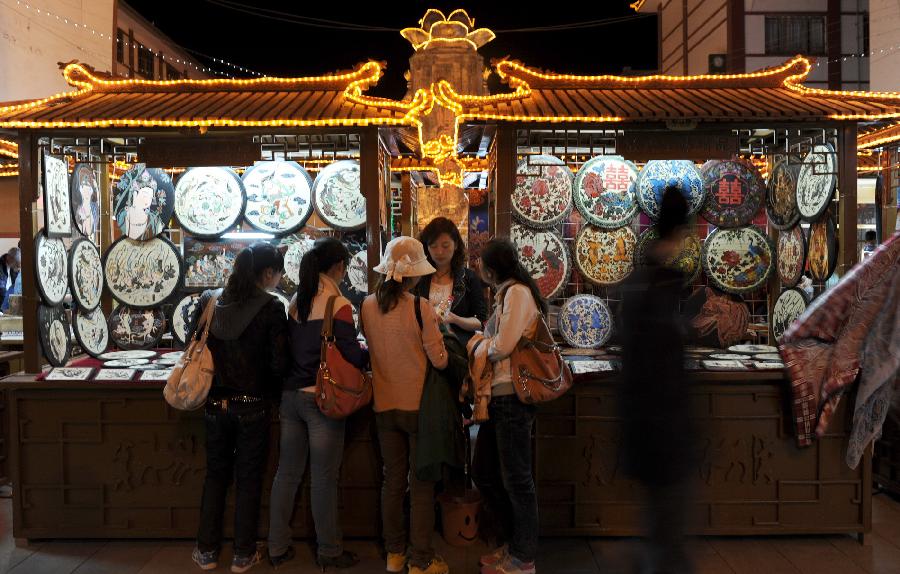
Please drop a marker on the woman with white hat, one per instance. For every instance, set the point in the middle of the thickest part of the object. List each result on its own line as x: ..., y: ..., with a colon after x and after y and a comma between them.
x: 400, y: 352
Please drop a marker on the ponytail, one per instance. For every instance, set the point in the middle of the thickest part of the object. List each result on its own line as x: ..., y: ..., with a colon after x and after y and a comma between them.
x: 249, y: 265
x: 325, y: 254
x: 500, y: 256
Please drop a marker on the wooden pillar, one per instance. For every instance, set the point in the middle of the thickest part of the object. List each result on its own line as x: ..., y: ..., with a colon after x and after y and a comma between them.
x: 737, y: 59
x: 29, y: 160
x: 370, y: 186
x: 847, y: 208
x: 106, y: 237
x: 506, y: 179
x: 684, y: 37
x: 407, y: 213
x: 833, y: 44
x: 888, y: 194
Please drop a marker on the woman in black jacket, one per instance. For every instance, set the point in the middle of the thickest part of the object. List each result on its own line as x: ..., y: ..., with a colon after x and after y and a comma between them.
x: 248, y: 343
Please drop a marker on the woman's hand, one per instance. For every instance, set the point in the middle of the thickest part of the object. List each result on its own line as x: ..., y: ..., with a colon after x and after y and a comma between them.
x: 451, y: 318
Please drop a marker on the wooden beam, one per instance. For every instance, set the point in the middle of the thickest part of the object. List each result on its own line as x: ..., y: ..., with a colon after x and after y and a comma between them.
x: 106, y: 233
x: 833, y: 44
x: 29, y: 160
x: 370, y: 185
x: 737, y: 61
x: 406, y: 204
x: 506, y: 180
x: 847, y: 208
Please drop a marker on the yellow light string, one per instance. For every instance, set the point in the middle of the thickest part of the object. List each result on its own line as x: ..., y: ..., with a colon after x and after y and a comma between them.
x: 9, y: 149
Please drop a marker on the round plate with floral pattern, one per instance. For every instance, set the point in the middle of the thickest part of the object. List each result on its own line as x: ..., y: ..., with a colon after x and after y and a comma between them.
x: 605, y: 191
x: 279, y: 196
x: 822, y: 248
x: 738, y: 260
x: 687, y: 260
x: 584, y: 321
x: 788, y: 307
x: 658, y: 174
x: 816, y: 182
x: 781, y: 200
x: 209, y: 201
x: 605, y: 256
x: 85, y: 274
x: 791, y: 256
x: 543, y: 193
x: 131, y: 328
x: 734, y: 192
x: 338, y: 197
x: 91, y: 331
x: 56, y: 341
x: 144, y: 202
x: 545, y: 256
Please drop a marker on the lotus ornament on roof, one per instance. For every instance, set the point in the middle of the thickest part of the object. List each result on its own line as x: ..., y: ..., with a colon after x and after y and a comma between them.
x: 436, y: 29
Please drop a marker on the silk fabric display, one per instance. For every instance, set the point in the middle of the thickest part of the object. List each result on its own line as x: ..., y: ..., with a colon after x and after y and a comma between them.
x: 53, y: 328
x: 659, y: 174
x: 781, y: 200
x: 209, y: 201
x: 789, y: 306
x: 768, y: 366
x: 605, y: 191
x: 724, y: 365
x: 605, y: 257
x: 142, y: 274
x: 182, y: 316
x: 155, y: 375
x: 816, y: 182
x: 730, y: 357
x: 279, y: 196
x: 208, y: 264
x: 750, y: 349
x: 85, y: 274
x: 297, y: 247
x: 687, y: 260
x: 85, y: 199
x: 735, y: 192
x: 768, y: 357
x: 546, y: 257
x: 543, y: 193
x: 114, y: 374
x: 822, y: 249
x: 584, y: 321
x: 338, y: 197
x: 584, y: 367
x: 91, y: 331
x: 715, y: 319
x: 51, y: 269
x: 791, y: 256
x: 738, y: 260
x: 57, y: 207
x: 144, y: 202
x: 135, y: 329
x: 70, y: 374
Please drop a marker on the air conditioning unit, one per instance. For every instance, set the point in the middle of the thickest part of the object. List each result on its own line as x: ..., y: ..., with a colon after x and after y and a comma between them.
x: 717, y: 64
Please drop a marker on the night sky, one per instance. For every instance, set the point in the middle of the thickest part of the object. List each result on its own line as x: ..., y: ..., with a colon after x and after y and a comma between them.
x: 284, y: 48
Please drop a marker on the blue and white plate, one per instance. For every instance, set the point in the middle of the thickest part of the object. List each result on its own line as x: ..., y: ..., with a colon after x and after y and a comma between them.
x: 584, y: 321
x: 658, y: 174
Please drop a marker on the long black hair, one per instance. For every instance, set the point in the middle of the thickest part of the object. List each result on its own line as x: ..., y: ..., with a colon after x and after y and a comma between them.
x: 249, y: 266
x: 501, y: 257
x: 389, y: 291
x: 325, y: 254
x: 672, y: 213
x: 437, y: 227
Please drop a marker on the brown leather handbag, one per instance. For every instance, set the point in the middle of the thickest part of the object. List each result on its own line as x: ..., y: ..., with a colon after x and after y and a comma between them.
x: 341, y: 388
x: 192, y: 377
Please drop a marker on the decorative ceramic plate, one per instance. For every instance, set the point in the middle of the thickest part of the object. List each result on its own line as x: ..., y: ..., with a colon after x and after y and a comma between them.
x: 768, y: 357
x: 131, y: 328
x: 816, y: 182
x: 91, y: 331
x: 789, y: 306
x: 114, y: 374
x: 144, y: 202
x: 167, y: 362
x: 752, y: 349
x: 791, y: 256
x: 735, y: 192
x: 155, y: 375
x: 687, y: 260
x: 209, y: 200
x: 283, y: 300
x: 658, y: 174
x: 768, y: 366
x: 781, y: 200
x: 338, y: 197
x: 57, y: 209
x: 182, y: 315
x: 292, y: 258
x: 545, y: 256
x: 142, y: 274
x: 357, y: 279
x: 126, y: 363
x: 692, y: 365
x: 69, y: 374
x: 583, y: 367
x: 738, y: 260
x: 279, y: 196
x: 605, y: 191
x: 172, y: 355
x: 53, y: 328
x: 208, y: 264
x: 113, y: 355
x: 85, y: 199
x: 51, y: 269
x: 86, y: 274
x: 729, y: 357
x: 585, y: 321
x: 543, y: 193
x: 605, y: 257
x: 822, y: 249
x: 148, y: 367
x: 724, y: 365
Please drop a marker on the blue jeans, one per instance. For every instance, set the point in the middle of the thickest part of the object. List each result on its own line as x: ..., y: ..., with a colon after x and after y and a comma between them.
x: 307, y: 433
x: 504, y: 441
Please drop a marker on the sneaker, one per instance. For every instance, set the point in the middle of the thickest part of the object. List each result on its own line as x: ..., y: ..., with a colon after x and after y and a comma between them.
x: 396, y: 561
x: 240, y: 564
x: 436, y: 566
x: 281, y: 559
x: 346, y: 560
x: 205, y: 560
x: 494, y: 557
x: 509, y: 565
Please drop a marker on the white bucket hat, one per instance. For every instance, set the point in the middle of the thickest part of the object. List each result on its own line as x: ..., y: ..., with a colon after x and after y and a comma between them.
x: 404, y: 257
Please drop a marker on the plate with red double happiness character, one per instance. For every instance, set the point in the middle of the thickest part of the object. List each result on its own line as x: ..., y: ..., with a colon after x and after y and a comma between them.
x: 734, y: 192
x: 605, y: 191
x: 543, y: 193
x: 545, y: 256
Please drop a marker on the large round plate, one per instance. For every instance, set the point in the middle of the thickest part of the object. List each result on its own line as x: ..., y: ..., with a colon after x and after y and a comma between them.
x: 355, y: 287
x: 781, y: 200
x: 603, y: 256
x: 53, y: 328
x: 658, y: 174
x: 85, y: 192
x: 816, y: 182
x: 91, y: 331
x: 209, y: 201
x: 543, y: 193
x: 142, y: 274
x: 338, y: 197
x: 788, y: 308
x: 584, y: 321
x: 86, y: 274
x: 144, y: 202
x: 292, y: 258
x: 51, y: 268
x: 135, y: 329
x: 113, y: 355
x: 182, y: 315
x: 279, y: 196
x: 545, y: 256
x: 125, y: 363
x: 734, y: 192
x: 687, y: 260
x: 605, y: 191
x: 791, y: 256
x: 752, y: 349
x: 738, y: 260
x: 822, y: 249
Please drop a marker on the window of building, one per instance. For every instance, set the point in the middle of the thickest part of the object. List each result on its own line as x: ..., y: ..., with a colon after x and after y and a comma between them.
x: 120, y: 46
x: 145, y: 62
x: 172, y: 73
x: 790, y: 35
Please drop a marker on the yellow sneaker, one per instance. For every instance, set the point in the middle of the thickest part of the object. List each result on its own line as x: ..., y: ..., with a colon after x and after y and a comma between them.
x: 437, y: 566
x: 396, y: 561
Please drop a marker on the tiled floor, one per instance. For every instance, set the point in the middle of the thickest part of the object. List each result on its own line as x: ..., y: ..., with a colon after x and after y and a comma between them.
x: 771, y: 555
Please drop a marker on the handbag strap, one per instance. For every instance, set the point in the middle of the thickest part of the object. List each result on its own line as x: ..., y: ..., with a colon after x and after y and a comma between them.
x: 327, y: 328
x: 207, y: 317
x: 418, y: 306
